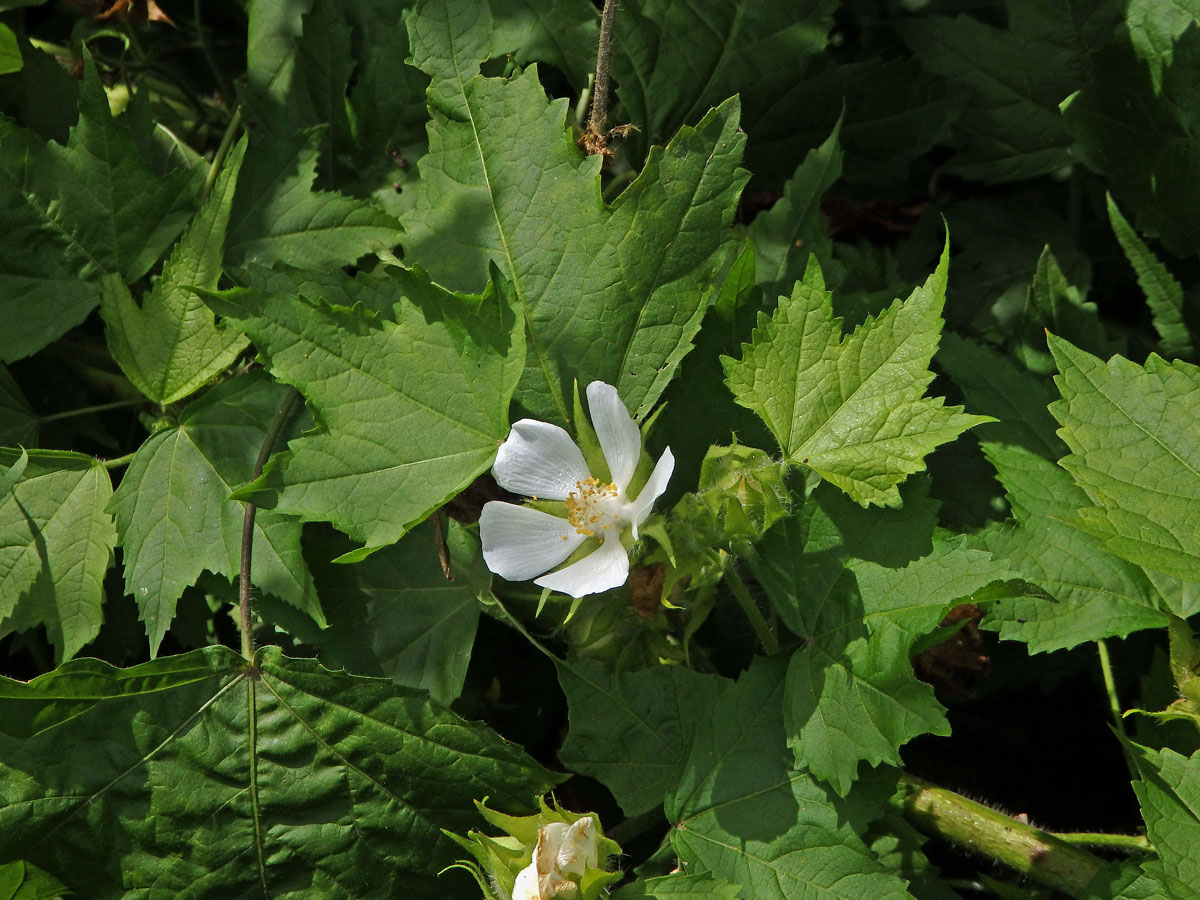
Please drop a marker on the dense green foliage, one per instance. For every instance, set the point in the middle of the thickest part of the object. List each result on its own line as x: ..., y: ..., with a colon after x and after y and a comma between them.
x: 908, y: 289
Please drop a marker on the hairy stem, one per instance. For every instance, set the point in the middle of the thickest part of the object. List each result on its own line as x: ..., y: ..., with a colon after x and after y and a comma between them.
x: 761, y: 629
x: 1034, y: 853
x: 119, y: 461
x: 598, y: 122
x: 282, y: 415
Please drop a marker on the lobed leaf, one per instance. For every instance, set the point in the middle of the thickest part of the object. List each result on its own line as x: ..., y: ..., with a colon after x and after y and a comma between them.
x: 170, y: 346
x: 412, y: 404
x: 56, y: 542
x: 740, y: 811
x: 850, y: 407
x: 202, y: 777
x: 1134, y: 453
x: 177, y: 487
x: 614, y: 293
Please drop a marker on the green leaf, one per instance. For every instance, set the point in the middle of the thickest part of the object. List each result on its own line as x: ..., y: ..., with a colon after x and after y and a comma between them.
x: 18, y: 423
x: 10, y: 53
x: 505, y: 187
x: 850, y: 407
x: 562, y: 33
x: 1057, y: 305
x: 629, y: 730
x: 56, y: 544
x: 1169, y: 794
x: 741, y: 812
x: 295, y: 782
x: 396, y: 614
x: 1135, y: 454
x: 1163, y: 293
x: 1143, y: 138
x: 177, y: 488
x: 1155, y: 27
x: 789, y: 232
x: 412, y: 404
x: 1098, y: 594
x: 170, y: 345
x: 1017, y: 76
x: 672, y: 61
x: 277, y: 217
x: 679, y: 886
x: 69, y: 215
x: 23, y: 881
x: 860, y: 587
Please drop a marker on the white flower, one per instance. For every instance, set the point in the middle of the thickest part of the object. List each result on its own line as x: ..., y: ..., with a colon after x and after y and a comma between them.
x: 562, y: 854
x: 541, y: 461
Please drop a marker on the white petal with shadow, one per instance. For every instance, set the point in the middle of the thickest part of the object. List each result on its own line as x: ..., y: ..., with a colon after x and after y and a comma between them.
x: 520, y: 542
x: 606, y: 567
x: 539, y: 460
x: 615, y: 429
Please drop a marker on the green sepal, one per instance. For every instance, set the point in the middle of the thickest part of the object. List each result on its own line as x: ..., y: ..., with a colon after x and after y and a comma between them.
x: 589, y: 444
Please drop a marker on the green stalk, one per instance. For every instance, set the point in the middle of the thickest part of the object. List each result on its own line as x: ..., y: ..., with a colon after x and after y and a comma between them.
x: 84, y: 410
x: 1114, y: 706
x: 1127, y: 843
x: 227, y: 140
x: 273, y: 430
x: 1037, y: 854
x: 750, y: 608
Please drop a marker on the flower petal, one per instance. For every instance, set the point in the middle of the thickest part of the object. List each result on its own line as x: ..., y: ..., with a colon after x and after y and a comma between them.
x: 539, y: 460
x: 655, y: 485
x: 606, y: 567
x: 526, y: 885
x: 615, y: 429
x: 520, y: 542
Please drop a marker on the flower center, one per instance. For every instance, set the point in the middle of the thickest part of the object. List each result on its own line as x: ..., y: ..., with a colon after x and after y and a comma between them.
x: 590, y: 507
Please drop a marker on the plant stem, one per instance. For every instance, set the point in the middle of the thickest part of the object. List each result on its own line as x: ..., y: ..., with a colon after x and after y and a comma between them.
x: 1114, y: 706
x: 281, y: 417
x: 598, y: 122
x: 750, y: 608
x: 222, y: 151
x: 119, y: 461
x: 84, y: 410
x: 1128, y: 843
x: 1034, y: 853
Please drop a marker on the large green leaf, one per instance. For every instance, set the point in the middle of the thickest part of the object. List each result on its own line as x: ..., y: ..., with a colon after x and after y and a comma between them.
x: 1169, y: 793
x: 277, y: 217
x: 56, y: 544
x: 850, y: 407
x: 1017, y: 76
x: 672, y: 61
x: 1143, y: 136
x: 742, y: 812
x: 22, y: 881
x: 175, y: 516
x: 1135, y: 453
x: 396, y: 614
x: 412, y: 396
x: 614, y: 293
x: 170, y: 345
x: 629, y: 731
x: 860, y: 586
x: 69, y: 215
x: 679, y: 886
x: 1095, y: 594
x: 206, y: 778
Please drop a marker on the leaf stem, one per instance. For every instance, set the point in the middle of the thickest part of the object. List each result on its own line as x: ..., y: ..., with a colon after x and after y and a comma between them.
x: 218, y: 160
x: 119, y: 461
x: 84, y: 410
x: 1128, y: 843
x: 598, y: 122
x: 1114, y: 705
x: 750, y: 608
x: 286, y: 407
x: 1034, y: 853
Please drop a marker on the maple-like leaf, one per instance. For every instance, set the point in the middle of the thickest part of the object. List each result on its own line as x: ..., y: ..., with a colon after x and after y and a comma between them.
x: 850, y: 407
